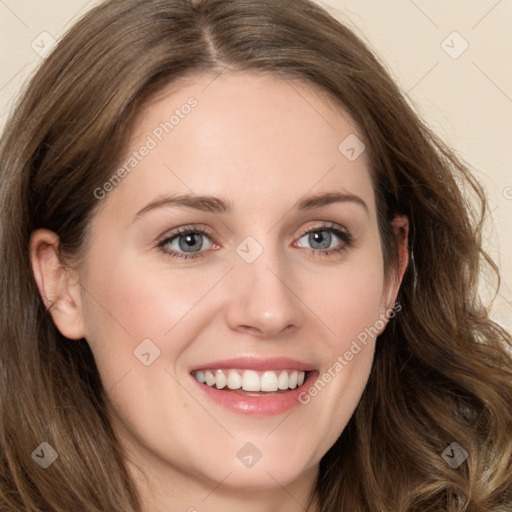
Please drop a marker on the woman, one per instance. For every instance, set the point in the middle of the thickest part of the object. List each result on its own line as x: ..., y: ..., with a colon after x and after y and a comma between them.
x: 173, y: 338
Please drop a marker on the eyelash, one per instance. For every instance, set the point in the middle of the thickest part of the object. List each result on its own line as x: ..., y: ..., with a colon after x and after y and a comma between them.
x: 340, y: 232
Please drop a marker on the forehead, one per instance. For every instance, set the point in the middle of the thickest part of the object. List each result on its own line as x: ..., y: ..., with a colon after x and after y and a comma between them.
x: 256, y: 138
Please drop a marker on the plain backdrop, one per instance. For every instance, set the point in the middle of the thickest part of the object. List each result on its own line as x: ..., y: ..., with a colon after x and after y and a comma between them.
x: 451, y: 58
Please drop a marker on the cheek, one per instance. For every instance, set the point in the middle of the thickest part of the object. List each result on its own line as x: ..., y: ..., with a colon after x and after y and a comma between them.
x: 349, y: 305
x: 145, y: 303
x: 348, y: 299
x: 127, y: 302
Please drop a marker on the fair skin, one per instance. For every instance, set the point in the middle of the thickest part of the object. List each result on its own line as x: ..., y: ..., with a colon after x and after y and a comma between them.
x: 262, y: 145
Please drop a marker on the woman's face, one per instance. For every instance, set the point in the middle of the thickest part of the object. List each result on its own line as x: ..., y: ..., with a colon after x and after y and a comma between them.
x: 241, y: 247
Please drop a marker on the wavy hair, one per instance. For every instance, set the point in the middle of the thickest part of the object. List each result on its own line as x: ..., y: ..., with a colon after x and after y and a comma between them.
x: 442, y: 370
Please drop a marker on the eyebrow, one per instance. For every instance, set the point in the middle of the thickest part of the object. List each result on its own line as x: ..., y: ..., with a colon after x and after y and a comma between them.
x: 216, y: 205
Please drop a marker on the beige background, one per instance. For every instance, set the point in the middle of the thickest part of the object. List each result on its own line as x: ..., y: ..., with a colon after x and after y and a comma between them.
x: 465, y: 96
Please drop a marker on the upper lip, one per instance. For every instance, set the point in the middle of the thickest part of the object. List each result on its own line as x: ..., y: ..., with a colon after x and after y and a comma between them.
x: 256, y: 363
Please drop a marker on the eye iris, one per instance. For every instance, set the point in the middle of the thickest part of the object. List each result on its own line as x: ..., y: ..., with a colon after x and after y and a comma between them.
x: 318, y: 237
x: 192, y: 241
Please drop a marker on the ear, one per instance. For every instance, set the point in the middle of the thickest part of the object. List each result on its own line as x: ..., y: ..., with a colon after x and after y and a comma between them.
x: 400, y: 225
x: 58, y: 284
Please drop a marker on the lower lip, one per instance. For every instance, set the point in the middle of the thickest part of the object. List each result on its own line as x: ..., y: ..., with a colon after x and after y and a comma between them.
x: 264, y: 405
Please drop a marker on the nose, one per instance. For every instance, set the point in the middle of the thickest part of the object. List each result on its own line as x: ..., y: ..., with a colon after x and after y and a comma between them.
x: 262, y: 299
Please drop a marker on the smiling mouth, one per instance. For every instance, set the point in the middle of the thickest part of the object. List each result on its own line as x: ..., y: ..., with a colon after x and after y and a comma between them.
x: 251, y: 382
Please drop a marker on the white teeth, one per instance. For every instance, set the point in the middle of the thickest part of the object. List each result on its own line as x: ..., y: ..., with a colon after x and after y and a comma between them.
x: 250, y: 380
x: 220, y: 379
x: 268, y: 381
x: 234, y: 380
x: 282, y: 381
x: 209, y: 378
x: 293, y: 379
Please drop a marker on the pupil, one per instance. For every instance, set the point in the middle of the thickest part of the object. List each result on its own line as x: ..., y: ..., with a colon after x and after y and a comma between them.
x: 322, y: 239
x: 190, y: 242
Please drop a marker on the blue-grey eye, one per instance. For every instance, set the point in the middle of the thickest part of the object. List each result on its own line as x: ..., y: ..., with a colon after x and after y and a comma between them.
x: 319, y: 239
x: 187, y: 241
x: 190, y: 242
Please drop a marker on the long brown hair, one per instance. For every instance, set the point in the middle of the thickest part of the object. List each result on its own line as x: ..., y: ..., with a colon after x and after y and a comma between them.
x: 441, y: 372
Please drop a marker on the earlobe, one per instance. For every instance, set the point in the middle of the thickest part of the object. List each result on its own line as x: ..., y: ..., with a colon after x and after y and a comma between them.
x: 57, y: 284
